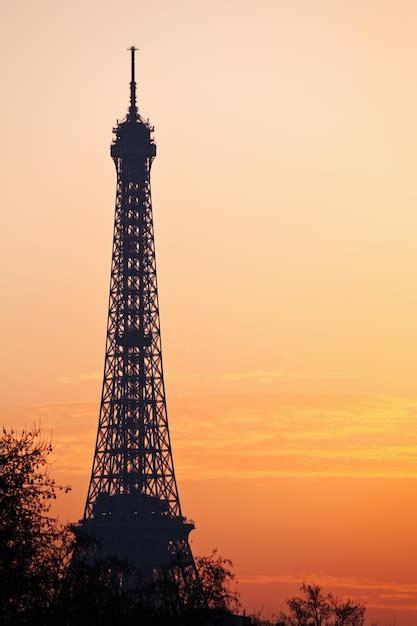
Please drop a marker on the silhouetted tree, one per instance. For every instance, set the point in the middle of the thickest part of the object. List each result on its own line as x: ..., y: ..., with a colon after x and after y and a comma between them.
x: 33, y: 547
x: 91, y: 593
x: 216, y: 577
x: 314, y: 608
x: 91, y: 590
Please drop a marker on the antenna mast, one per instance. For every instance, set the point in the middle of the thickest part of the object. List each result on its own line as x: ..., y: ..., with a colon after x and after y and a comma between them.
x: 133, y: 111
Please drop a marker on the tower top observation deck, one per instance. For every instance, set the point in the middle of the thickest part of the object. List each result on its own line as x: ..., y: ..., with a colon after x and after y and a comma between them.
x: 133, y: 135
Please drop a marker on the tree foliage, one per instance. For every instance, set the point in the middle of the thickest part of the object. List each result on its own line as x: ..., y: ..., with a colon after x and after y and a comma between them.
x: 91, y: 589
x: 314, y: 608
x: 216, y: 578
x: 34, y: 548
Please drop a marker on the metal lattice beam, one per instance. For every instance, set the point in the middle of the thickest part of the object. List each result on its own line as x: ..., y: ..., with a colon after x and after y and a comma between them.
x: 133, y: 471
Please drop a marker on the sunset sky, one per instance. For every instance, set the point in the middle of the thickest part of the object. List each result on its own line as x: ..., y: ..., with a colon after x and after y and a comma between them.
x: 285, y: 206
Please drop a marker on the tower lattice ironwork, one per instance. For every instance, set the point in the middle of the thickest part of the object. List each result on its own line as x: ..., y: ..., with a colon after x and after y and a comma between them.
x: 132, y: 504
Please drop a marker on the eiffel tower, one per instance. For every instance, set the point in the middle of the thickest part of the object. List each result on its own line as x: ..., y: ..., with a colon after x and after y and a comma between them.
x: 132, y: 507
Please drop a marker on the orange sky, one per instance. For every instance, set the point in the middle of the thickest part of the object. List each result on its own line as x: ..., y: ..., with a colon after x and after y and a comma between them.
x: 285, y: 199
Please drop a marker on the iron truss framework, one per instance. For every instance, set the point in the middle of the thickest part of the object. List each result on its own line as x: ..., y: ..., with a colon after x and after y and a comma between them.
x: 133, y: 490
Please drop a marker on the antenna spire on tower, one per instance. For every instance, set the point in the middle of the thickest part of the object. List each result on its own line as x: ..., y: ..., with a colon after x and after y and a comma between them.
x: 133, y: 111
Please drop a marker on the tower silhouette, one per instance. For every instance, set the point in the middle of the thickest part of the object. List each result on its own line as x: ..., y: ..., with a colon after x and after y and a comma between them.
x: 132, y: 507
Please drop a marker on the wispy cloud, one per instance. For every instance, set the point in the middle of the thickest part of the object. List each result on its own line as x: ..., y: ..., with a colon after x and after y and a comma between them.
x: 97, y: 375
x: 258, y: 435
x: 64, y: 380
x: 254, y: 437
x: 263, y: 376
x: 259, y: 376
x: 83, y: 376
x: 375, y: 593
